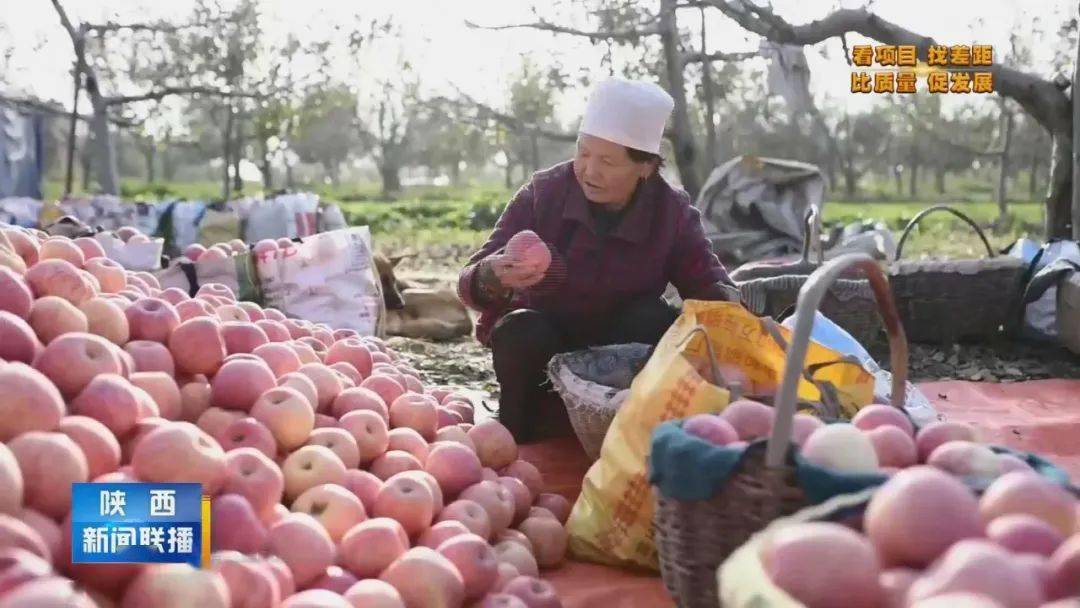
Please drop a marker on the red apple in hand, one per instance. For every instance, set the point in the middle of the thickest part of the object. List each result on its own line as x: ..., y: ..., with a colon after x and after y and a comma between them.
x: 527, y: 249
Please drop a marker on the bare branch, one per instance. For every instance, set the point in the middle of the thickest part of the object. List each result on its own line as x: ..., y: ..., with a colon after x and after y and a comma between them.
x: 55, y: 109
x: 698, y: 57
x: 64, y: 21
x: 162, y: 26
x: 626, y: 35
x: 1039, y: 97
x: 485, y: 111
x: 163, y: 92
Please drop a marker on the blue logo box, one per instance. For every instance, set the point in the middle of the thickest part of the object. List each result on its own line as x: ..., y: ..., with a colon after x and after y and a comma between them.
x: 115, y: 523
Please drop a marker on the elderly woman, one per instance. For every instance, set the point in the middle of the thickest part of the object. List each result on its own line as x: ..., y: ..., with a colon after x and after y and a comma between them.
x: 618, y: 234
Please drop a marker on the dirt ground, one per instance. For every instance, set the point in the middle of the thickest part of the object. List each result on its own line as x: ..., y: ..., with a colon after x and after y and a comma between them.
x: 466, y: 364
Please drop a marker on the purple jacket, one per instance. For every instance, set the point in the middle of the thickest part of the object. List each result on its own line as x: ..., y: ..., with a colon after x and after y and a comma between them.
x: 659, y: 240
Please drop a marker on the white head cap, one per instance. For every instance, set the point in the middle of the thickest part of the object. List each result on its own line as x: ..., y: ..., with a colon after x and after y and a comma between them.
x: 628, y: 112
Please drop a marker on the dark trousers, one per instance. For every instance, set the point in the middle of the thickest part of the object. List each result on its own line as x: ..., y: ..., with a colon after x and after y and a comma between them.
x: 523, y: 342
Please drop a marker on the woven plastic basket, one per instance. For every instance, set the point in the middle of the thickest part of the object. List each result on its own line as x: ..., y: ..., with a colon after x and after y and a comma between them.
x: 771, y: 290
x: 693, y: 537
x: 593, y: 383
x: 945, y: 301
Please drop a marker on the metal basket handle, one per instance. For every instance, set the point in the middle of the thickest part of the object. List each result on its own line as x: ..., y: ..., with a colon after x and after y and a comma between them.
x: 812, y: 235
x: 810, y: 297
x: 960, y: 214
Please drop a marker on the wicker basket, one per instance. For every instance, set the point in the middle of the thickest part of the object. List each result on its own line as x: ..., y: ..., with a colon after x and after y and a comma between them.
x: 593, y: 383
x: 743, y: 582
x: 694, y: 537
x: 945, y: 301
x: 771, y: 290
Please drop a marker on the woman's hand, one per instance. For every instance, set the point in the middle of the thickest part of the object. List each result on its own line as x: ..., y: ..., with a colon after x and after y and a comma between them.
x: 514, y: 274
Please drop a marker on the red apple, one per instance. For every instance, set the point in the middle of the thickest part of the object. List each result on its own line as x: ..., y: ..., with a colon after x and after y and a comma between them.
x: 309, y: 466
x: 176, y: 586
x: 253, y: 475
x: 281, y: 359
x: 109, y: 399
x: 302, y: 543
x: 439, y: 533
x: 50, y: 463
x: 99, y: 446
x: 110, y: 274
x: 179, y: 452
x: 471, y: 514
x: 534, y: 592
x: 407, y: 440
x: 248, y: 432
x: 359, y: 398
x: 17, y: 339
x: 373, y: 593
x: 423, y: 577
x: 407, y: 500
x: 162, y: 389
x: 340, y: 441
x: 393, y: 462
x: 72, y: 360
x: 152, y: 319
x: 286, y: 413
x: 528, y: 474
x: 496, y: 500
x: 364, y: 485
x: 106, y: 319
x: 369, y: 430
x: 251, y: 584
x: 52, y: 317
x: 15, y: 295
x: 11, y: 482
x: 236, y: 525
x: 333, y: 506
x: 239, y: 384
x: 370, y: 546
x: 475, y: 560
x: 494, y: 444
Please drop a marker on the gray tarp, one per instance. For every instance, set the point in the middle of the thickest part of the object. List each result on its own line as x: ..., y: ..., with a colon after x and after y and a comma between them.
x: 753, y: 208
x: 21, y: 155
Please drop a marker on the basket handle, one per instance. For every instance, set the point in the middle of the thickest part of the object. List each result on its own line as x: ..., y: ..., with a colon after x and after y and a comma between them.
x: 960, y: 214
x: 714, y: 370
x: 812, y: 235
x: 810, y: 296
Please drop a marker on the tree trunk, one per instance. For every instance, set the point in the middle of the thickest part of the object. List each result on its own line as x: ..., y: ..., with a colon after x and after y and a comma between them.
x: 391, y: 177
x: 105, y: 148
x: 1059, y: 196
x: 1003, y: 164
x: 226, y: 154
x: 69, y: 173
x: 264, y: 165
x: 238, y: 155
x: 710, y: 101
x: 509, y: 175
x: 1033, y: 175
x: 86, y: 156
x: 455, y: 173
x: 913, y: 166
x: 939, y: 180
x: 151, y: 154
x: 898, y: 174
x: 681, y: 133
x: 1073, y: 98
x: 851, y: 182
x: 534, y: 150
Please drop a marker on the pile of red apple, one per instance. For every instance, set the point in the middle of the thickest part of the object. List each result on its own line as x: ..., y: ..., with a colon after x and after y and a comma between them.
x: 338, y: 478
x: 222, y: 251
x: 926, y: 540
x: 879, y: 439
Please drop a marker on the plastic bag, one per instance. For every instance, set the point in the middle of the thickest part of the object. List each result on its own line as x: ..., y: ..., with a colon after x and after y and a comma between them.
x: 326, y: 278
x: 611, y: 521
x: 236, y: 272
x: 132, y: 256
